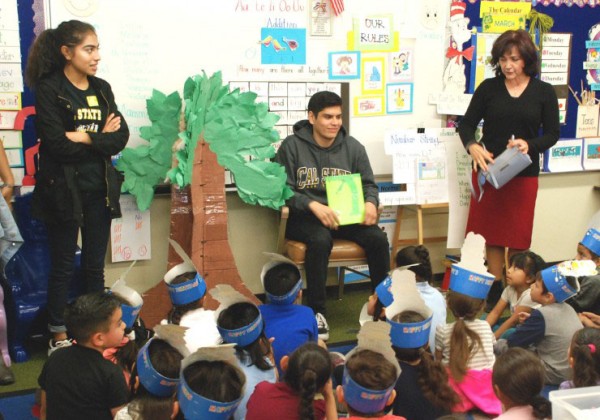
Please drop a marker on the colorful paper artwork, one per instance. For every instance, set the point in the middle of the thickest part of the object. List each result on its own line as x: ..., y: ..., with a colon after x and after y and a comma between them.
x: 344, y: 65
x: 282, y: 46
x: 399, y: 98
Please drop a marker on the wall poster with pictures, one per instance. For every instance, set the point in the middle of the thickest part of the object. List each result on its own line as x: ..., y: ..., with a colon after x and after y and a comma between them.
x: 399, y: 98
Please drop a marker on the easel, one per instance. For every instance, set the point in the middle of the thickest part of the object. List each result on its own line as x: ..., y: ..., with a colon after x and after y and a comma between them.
x: 420, y: 239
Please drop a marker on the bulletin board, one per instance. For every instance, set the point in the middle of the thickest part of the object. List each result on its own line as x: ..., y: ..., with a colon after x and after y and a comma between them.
x: 154, y: 44
x: 567, y: 19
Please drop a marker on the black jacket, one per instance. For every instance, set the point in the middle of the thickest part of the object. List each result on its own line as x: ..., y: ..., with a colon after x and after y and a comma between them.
x: 56, y: 197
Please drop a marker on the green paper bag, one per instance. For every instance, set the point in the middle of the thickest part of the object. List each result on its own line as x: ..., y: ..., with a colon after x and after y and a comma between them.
x: 345, y: 197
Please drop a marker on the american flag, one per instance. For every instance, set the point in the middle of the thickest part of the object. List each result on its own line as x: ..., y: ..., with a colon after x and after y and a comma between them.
x: 337, y: 6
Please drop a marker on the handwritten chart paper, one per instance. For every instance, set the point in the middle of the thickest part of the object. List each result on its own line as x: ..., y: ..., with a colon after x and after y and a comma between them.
x: 130, y: 235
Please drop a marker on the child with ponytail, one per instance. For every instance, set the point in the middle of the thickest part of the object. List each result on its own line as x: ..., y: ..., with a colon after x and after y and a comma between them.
x: 466, y: 346
x: 584, y: 358
x: 307, y: 372
x: 422, y: 391
x: 518, y: 379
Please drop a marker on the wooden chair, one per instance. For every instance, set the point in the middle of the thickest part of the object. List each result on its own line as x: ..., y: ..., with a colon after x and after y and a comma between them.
x: 344, y: 253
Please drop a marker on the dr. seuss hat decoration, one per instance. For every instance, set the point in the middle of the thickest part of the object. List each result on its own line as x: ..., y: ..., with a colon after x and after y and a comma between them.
x: 196, y: 406
x: 227, y: 296
x: 374, y: 336
x: 131, y: 309
x: 457, y: 10
x: 275, y: 260
x: 470, y: 276
x: 152, y: 380
x: 189, y: 291
x: 591, y: 241
x: 408, y: 335
x: 555, y: 277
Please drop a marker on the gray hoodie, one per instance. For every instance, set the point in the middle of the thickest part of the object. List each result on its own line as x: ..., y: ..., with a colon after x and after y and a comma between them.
x: 307, y: 164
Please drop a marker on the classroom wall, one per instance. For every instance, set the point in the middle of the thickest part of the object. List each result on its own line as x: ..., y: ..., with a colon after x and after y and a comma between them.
x: 565, y: 204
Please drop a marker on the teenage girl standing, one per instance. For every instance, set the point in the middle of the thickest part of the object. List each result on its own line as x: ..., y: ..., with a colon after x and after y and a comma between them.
x: 79, y: 128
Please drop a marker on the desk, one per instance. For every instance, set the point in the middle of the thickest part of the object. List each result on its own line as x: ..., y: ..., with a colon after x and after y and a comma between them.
x: 420, y: 239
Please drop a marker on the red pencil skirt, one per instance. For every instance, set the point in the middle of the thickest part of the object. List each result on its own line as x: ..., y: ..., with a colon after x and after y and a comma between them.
x: 504, y: 217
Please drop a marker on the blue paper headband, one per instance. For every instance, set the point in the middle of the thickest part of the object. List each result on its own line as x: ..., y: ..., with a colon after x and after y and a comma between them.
x: 384, y: 292
x: 130, y: 313
x: 245, y: 335
x: 195, y: 406
x: 470, y: 283
x: 187, y: 292
x: 286, y: 299
x: 410, y: 335
x: 364, y: 400
x: 557, y: 284
x: 154, y: 382
x: 591, y: 241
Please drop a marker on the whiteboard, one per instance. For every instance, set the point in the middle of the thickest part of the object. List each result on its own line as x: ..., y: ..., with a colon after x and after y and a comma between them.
x: 158, y: 44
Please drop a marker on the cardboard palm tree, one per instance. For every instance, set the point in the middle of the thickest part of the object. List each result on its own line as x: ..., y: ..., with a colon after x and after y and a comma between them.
x: 222, y: 130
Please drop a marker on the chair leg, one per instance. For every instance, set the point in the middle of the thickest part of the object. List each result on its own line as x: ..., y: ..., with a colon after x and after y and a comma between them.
x: 341, y: 279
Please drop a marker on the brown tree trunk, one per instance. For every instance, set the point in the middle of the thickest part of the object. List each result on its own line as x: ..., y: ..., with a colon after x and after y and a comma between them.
x: 199, y: 225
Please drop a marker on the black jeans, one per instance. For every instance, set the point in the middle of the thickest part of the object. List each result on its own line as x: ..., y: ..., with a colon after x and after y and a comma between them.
x: 308, y: 229
x: 62, y: 241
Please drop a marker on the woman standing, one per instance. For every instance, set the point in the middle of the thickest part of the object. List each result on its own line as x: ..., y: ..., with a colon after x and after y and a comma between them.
x: 514, y: 106
x: 77, y: 187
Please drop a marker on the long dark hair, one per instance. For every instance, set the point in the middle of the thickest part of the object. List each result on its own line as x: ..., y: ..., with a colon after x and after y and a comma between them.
x: 585, y: 351
x: 519, y: 374
x: 45, y: 56
x: 309, y: 369
x: 413, y: 255
x: 240, y: 315
x: 432, y: 376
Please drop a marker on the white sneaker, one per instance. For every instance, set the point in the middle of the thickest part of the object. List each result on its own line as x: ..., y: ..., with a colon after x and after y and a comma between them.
x: 322, y: 326
x: 55, y: 345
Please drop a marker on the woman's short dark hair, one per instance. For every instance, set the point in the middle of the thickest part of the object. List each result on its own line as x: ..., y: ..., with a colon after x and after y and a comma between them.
x: 521, y: 40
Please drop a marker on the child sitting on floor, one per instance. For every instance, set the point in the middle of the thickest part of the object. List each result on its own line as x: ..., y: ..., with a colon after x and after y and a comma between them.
x: 518, y: 379
x: 520, y: 275
x: 588, y: 297
x: 422, y: 390
x: 239, y: 322
x: 550, y: 328
x: 433, y: 298
x: 307, y: 372
x: 187, y: 290
x: 211, y: 384
x: 584, y: 358
x: 286, y: 320
x: 370, y: 374
x: 155, y: 379
x: 76, y: 381
x: 466, y: 346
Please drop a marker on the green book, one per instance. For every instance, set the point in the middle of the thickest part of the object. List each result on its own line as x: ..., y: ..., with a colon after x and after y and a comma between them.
x: 345, y: 197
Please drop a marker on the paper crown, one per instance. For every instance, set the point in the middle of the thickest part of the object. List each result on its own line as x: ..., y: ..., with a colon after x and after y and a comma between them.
x: 189, y: 291
x: 289, y: 297
x: 408, y: 335
x: 196, y: 406
x: 227, y: 296
x: 384, y: 292
x: 374, y: 336
x: 362, y: 399
x: 470, y: 276
x: 154, y: 382
x: 591, y: 241
x: 134, y: 299
x: 457, y: 10
x: 384, y: 288
x: 555, y: 277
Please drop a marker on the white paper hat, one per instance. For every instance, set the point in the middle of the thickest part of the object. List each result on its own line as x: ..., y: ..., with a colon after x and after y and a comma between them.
x: 470, y: 276
x: 190, y: 290
x: 275, y: 260
x: 131, y: 310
